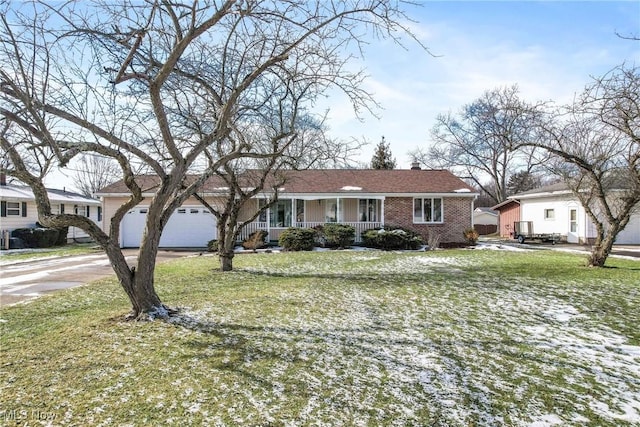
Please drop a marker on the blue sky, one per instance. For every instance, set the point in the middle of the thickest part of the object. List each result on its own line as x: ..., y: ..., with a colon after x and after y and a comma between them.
x: 549, y: 48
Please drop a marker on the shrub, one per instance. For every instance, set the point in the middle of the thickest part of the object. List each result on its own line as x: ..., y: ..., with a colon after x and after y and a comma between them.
x: 339, y: 235
x: 297, y: 239
x: 212, y: 245
x: 26, y: 235
x: 471, y: 235
x: 37, y: 237
x: 319, y: 237
x: 62, y: 236
x: 63, y: 232
x: 256, y: 240
x: 391, y: 238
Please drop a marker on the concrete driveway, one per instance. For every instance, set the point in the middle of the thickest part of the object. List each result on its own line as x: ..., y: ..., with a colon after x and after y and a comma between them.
x: 24, y: 280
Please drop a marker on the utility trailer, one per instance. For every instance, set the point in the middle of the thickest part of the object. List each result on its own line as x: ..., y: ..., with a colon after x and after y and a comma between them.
x: 523, y: 230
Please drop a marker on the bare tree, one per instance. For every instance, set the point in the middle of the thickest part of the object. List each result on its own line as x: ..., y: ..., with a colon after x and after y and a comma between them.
x: 246, y: 181
x: 95, y: 172
x: 596, y: 147
x: 485, y: 142
x: 165, y: 87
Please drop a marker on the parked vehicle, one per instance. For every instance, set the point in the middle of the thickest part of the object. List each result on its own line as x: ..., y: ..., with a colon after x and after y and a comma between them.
x: 523, y: 230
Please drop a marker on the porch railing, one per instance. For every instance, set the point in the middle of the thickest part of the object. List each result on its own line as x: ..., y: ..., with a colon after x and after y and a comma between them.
x: 252, y: 227
x: 274, y: 232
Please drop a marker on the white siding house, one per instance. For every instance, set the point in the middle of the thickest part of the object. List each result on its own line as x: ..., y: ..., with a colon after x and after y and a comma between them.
x: 485, y: 216
x: 18, y: 209
x: 554, y: 209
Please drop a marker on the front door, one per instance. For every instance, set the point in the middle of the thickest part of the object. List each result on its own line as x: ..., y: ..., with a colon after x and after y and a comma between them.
x: 572, y: 236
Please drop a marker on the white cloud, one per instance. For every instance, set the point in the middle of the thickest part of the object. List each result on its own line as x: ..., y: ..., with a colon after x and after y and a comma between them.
x: 552, y: 63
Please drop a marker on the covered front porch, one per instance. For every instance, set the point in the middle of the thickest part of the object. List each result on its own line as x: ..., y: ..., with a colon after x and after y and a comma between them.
x: 360, y: 213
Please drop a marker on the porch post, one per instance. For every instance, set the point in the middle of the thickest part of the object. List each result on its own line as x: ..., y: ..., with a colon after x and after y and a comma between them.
x: 382, y: 211
x: 268, y: 218
x: 338, y: 219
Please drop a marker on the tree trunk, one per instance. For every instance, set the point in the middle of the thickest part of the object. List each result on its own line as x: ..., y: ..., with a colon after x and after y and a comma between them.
x: 138, y: 281
x: 601, y: 250
x: 226, y: 260
x: 226, y: 245
x: 144, y: 299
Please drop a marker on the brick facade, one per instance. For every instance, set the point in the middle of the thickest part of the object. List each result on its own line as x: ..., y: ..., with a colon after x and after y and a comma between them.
x: 398, y: 211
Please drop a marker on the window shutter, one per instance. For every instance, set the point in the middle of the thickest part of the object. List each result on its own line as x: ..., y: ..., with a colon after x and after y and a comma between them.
x: 3, y: 208
x: 24, y: 209
x: 88, y: 211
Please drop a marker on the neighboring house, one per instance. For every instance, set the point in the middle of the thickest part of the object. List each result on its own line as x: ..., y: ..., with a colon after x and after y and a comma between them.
x: 508, y: 213
x: 485, y: 220
x: 18, y: 208
x: 427, y: 201
x: 554, y: 209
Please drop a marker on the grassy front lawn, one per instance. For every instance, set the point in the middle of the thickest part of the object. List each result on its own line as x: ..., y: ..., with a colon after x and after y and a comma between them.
x: 447, y: 338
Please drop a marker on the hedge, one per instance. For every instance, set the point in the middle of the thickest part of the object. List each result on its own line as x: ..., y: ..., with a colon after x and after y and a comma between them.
x: 41, y: 237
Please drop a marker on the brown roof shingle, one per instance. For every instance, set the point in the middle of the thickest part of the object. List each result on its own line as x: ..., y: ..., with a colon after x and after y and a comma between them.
x: 347, y: 181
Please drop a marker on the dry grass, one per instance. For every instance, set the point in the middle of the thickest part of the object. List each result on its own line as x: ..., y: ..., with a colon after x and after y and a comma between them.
x: 445, y: 338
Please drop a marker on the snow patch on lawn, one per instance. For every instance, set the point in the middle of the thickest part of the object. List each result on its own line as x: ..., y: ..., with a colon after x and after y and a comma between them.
x: 547, y: 420
x: 392, y: 349
x: 499, y: 247
x: 371, y: 263
x: 599, y: 354
x: 454, y: 352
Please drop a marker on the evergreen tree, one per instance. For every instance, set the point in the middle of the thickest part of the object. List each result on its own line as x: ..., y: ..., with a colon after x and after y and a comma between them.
x: 382, y: 158
x: 522, y: 181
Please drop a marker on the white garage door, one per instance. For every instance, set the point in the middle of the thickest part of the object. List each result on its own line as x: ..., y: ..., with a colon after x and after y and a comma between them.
x: 631, y: 233
x: 188, y: 227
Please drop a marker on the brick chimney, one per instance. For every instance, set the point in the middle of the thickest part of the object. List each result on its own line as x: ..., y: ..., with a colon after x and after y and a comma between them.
x: 415, y: 166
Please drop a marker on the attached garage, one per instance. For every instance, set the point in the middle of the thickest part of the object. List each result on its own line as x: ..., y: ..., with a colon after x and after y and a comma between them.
x: 631, y: 233
x: 188, y: 227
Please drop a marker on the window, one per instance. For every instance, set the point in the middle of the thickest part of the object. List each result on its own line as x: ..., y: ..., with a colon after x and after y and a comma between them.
x: 368, y: 210
x: 182, y: 211
x: 299, y: 210
x: 427, y: 210
x: 573, y: 220
x: 99, y: 213
x: 333, y: 210
x: 280, y: 214
x: 193, y: 211
x: 13, y: 208
x: 81, y: 210
x: 263, y: 212
x: 549, y: 214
